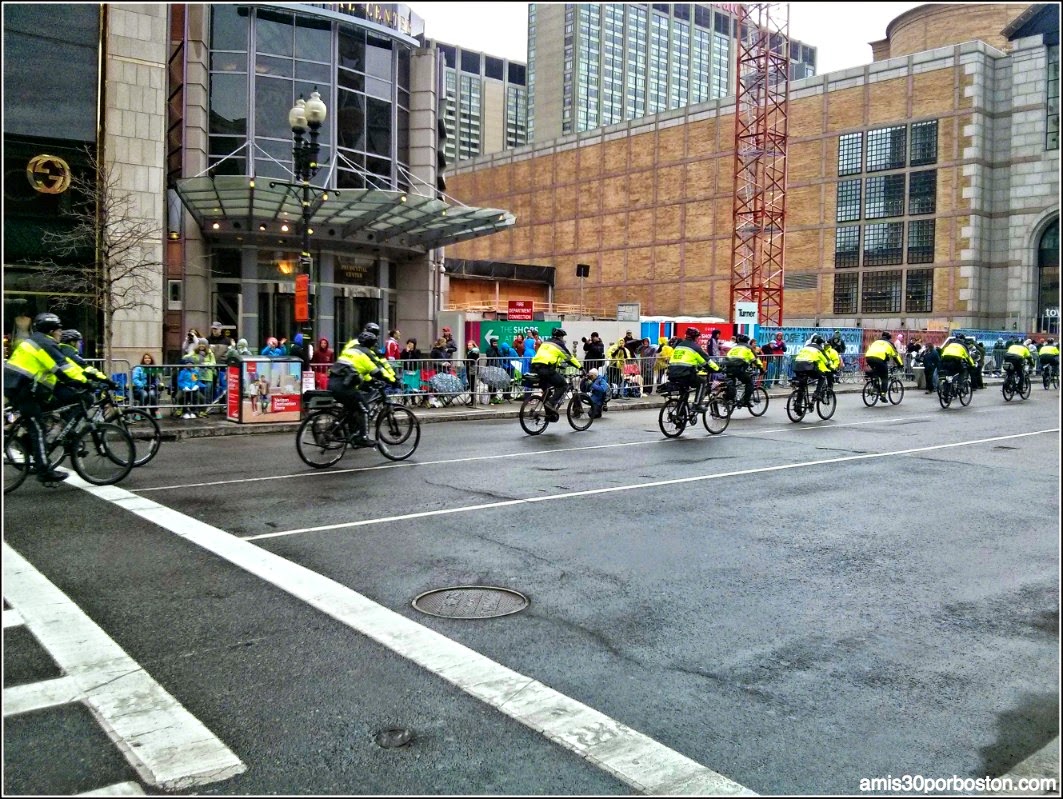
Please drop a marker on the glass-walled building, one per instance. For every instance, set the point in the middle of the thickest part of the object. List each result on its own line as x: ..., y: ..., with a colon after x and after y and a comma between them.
x: 377, y: 221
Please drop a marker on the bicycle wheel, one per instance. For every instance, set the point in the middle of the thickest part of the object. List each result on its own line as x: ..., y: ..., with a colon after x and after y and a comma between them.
x: 579, y: 411
x: 322, y: 438
x: 533, y: 415
x: 672, y: 419
x: 964, y: 393
x: 145, y: 432
x: 870, y: 394
x: 103, y: 453
x: 1025, y: 388
x: 398, y: 432
x: 896, y: 391
x: 828, y: 405
x: 1046, y: 378
x: 16, y: 463
x: 716, y: 418
x: 758, y: 401
x: 944, y: 393
x: 1007, y: 390
x: 796, y: 407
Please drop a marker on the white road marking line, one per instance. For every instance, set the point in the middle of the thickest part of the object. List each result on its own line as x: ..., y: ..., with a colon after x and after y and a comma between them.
x: 630, y: 756
x: 590, y: 492
x: 12, y: 618
x: 166, y: 744
x: 410, y: 464
x: 118, y: 789
x: 20, y: 699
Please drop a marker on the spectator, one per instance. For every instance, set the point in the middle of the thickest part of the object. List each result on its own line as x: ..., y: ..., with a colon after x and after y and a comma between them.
x: 535, y: 335
x: 323, y: 354
x: 525, y: 362
x: 204, y: 361
x: 411, y: 360
x: 518, y: 343
x: 190, y: 391
x: 773, y: 352
x: 509, y: 355
x: 449, y: 343
x: 392, y: 348
x: 931, y: 363
x: 273, y: 349
x: 298, y: 350
x: 238, y: 351
x: 998, y: 356
x: 664, y: 357
x: 495, y: 359
x: 594, y: 352
x: 836, y: 342
x: 632, y: 345
x: 440, y: 361
x: 713, y: 347
x: 617, y: 355
x: 146, y: 384
x: 472, y: 357
x: 647, y: 355
x: 599, y: 392
x: 911, y: 351
x: 191, y: 340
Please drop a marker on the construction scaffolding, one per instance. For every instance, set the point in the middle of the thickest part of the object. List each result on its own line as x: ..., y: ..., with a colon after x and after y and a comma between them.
x: 761, y: 116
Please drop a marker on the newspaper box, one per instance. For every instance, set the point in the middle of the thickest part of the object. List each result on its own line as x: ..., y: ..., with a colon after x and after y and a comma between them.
x: 264, y: 390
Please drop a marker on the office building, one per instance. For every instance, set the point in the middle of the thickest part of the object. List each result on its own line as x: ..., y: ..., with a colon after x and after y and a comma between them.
x: 592, y: 65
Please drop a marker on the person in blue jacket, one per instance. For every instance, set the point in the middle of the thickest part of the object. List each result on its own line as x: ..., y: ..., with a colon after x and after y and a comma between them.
x: 525, y: 361
x: 599, y: 391
x: 273, y: 349
x: 505, y: 349
x: 190, y: 390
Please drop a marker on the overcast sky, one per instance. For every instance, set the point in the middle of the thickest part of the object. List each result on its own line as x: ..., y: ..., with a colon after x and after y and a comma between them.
x: 840, y: 31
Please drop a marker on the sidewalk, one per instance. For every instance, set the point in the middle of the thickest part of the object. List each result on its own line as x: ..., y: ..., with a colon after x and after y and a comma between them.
x: 174, y: 429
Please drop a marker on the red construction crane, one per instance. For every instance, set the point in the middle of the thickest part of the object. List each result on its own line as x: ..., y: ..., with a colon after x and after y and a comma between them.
x: 761, y: 113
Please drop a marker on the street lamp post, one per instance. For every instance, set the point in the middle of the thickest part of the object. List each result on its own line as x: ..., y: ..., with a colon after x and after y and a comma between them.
x: 305, y: 117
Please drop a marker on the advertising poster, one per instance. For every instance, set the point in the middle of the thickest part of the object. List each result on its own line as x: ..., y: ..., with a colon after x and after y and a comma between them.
x: 271, y: 391
x: 233, y: 395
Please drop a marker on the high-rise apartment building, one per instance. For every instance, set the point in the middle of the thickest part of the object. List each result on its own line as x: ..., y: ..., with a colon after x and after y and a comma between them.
x: 597, y: 64
x: 484, y: 102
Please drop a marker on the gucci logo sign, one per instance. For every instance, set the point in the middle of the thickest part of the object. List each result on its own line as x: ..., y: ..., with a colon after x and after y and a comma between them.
x: 48, y: 174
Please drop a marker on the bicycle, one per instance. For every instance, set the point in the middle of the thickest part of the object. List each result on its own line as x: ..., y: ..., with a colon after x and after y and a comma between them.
x: 138, y: 422
x: 800, y: 402
x: 533, y: 415
x: 102, y: 453
x: 955, y: 387
x: 325, y: 434
x: 1015, y: 383
x: 1050, y: 377
x: 678, y: 412
x: 894, y: 392
x: 758, y: 398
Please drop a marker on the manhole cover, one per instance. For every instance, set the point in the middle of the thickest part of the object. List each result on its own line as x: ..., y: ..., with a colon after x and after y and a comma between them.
x: 470, y: 602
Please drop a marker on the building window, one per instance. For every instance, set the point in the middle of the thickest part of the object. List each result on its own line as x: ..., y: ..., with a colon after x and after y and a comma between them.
x: 1052, y: 100
x: 919, y: 291
x: 922, y: 192
x: 845, y: 293
x: 848, y: 201
x: 882, y: 243
x: 921, y: 241
x: 847, y: 247
x: 885, y: 197
x: 1048, y: 278
x: 850, y: 153
x: 924, y: 143
x: 882, y: 292
x: 886, y: 148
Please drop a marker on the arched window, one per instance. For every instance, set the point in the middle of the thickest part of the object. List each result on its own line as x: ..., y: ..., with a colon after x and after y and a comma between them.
x: 1048, y: 279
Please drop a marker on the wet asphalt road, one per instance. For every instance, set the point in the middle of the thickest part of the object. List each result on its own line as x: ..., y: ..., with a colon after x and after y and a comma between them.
x: 793, y: 606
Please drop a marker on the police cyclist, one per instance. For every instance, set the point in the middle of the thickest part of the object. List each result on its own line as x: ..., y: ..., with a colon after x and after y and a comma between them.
x: 689, y: 366
x: 1048, y: 355
x: 740, y: 363
x: 834, y: 361
x: 955, y: 357
x: 551, y: 355
x: 68, y: 341
x: 1018, y: 355
x: 812, y: 360
x: 354, y: 370
x: 878, y: 357
x: 31, y: 374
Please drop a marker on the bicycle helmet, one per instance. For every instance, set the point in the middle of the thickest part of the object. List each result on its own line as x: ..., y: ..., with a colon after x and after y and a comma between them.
x: 816, y: 340
x: 557, y: 332
x: 1028, y: 342
x: 70, y: 336
x: 692, y: 333
x: 886, y: 335
x: 367, y: 338
x: 46, y: 322
x: 741, y: 338
x: 374, y: 328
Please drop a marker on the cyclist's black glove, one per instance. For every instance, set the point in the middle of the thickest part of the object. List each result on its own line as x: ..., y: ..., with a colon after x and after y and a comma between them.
x: 112, y: 385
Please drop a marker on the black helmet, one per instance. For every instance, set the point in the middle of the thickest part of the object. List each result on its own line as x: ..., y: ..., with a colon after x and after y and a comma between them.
x: 70, y: 336
x: 46, y: 322
x: 816, y: 340
x: 558, y: 332
x: 886, y: 335
x: 367, y: 338
x: 372, y: 327
x: 741, y: 338
x: 692, y: 332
